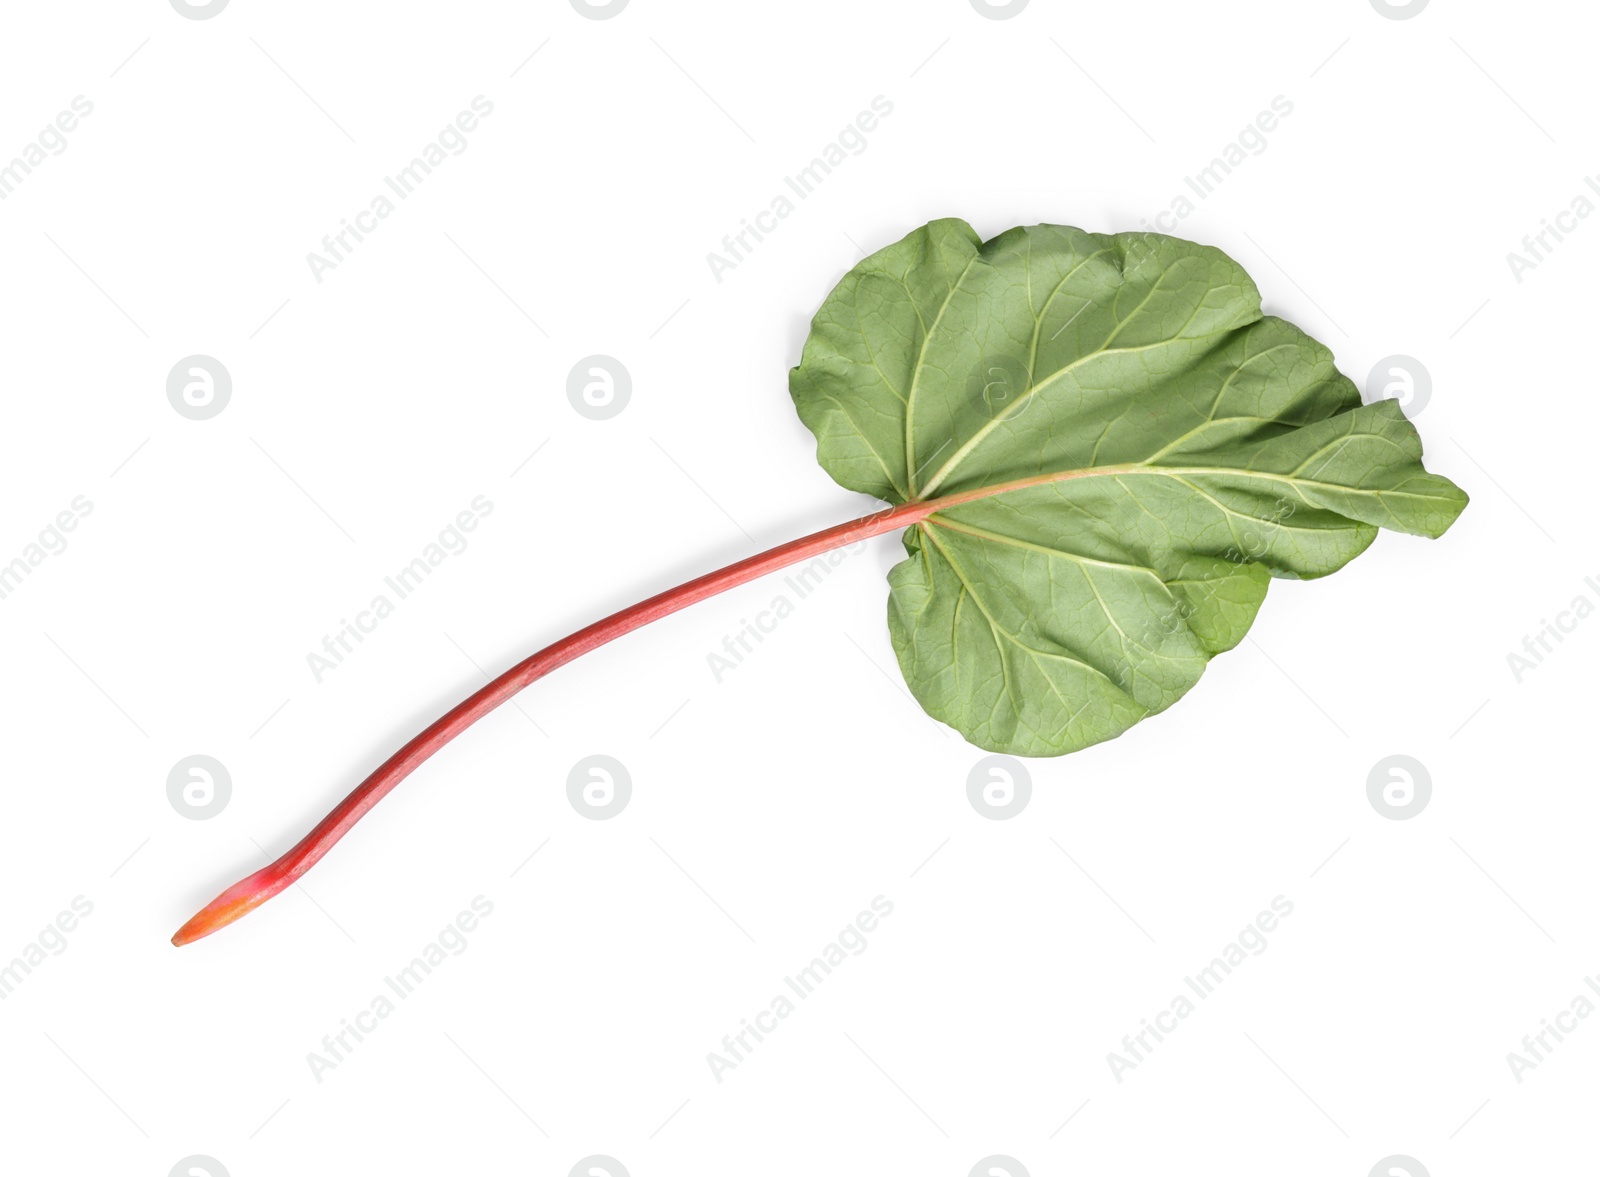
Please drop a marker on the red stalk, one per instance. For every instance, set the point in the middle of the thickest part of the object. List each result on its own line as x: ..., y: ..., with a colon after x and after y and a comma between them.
x: 250, y: 893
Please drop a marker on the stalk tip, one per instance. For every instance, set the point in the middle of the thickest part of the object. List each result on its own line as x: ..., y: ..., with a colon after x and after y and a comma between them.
x: 237, y: 901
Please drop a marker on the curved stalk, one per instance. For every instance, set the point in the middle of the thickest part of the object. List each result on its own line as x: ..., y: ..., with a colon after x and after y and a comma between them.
x: 249, y: 893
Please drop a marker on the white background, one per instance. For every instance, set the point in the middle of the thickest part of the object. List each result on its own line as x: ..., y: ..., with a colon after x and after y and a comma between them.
x: 768, y: 809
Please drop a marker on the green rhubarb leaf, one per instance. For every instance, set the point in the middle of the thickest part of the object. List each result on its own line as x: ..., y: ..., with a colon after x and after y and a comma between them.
x: 1123, y: 451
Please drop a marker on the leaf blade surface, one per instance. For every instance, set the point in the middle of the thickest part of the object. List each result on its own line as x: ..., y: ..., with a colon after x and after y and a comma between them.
x: 1130, y: 450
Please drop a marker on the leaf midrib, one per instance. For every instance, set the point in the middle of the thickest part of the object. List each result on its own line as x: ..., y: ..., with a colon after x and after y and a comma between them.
x: 960, y: 498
